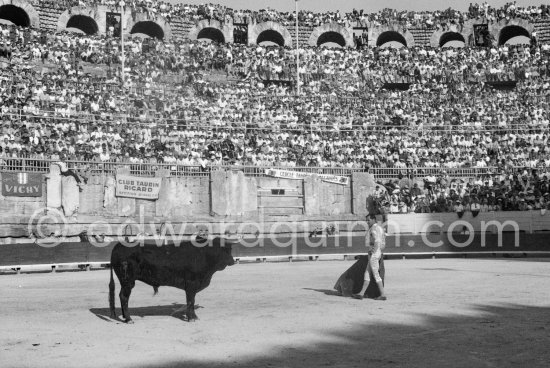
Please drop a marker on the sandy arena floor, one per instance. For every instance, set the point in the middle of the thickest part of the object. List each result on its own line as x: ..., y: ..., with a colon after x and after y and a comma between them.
x: 440, y: 313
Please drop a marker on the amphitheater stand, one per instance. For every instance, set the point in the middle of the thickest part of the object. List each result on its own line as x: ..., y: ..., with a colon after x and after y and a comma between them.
x: 48, y: 16
x: 304, y: 31
x: 542, y: 27
x: 421, y: 36
x: 181, y: 27
x: 220, y: 78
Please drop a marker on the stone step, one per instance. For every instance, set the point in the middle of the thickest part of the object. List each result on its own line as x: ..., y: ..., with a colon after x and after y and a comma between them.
x: 49, y: 17
x: 181, y: 27
x: 542, y: 27
x: 421, y: 36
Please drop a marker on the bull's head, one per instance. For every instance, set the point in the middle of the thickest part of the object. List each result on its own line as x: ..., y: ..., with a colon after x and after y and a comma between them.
x: 227, y: 257
x: 221, y: 249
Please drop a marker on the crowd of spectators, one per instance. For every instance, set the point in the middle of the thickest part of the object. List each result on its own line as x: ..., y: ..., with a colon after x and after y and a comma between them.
x: 189, y: 103
x: 355, y: 70
x: 519, y: 190
x: 46, y: 85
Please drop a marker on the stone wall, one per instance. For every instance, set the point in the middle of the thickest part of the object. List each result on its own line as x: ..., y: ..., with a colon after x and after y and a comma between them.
x: 41, y: 15
x: 223, y: 195
x: 16, y: 211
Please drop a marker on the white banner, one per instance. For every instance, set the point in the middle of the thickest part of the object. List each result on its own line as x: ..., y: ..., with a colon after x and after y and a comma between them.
x: 137, y: 187
x: 297, y: 175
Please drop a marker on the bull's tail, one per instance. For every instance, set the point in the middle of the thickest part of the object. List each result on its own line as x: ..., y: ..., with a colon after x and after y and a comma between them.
x: 112, y: 294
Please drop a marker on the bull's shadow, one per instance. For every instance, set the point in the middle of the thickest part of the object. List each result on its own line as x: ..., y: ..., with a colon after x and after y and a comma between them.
x: 173, y: 310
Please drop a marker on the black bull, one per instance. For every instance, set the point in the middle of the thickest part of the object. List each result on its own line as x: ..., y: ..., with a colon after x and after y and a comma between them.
x: 187, y: 265
x: 352, y: 280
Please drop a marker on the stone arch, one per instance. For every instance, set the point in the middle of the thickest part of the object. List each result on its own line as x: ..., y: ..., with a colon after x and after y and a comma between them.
x: 213, y: 34
x: 331, y: 32
x: 333, y: 37
x: 439, y: 37
x: 390, y: 36
x: 450, y: 36
x: 83, y: 18
x: 511, y: 31
x: 271, y: 35
x: 380, y: 35
x: 213, y: 30
x: 83, y: 22
x: 19, y: 12
x: 270, y: 31
x: 519, y: 27
x: 150, y: 26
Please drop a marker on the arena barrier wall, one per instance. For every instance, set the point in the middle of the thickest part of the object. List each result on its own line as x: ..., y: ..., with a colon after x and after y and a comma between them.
x: 228, y: 200
x: 20, y: 255
x: 222, y: 194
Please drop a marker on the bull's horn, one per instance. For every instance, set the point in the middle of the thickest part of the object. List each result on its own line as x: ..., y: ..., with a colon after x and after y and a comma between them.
x: 126, y: 230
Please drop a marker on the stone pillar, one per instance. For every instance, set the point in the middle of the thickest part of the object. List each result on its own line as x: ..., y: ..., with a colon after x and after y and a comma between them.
x: 53, y: 187
x: 312, y: 195
x: 92, y: 196
x: 362, y: 186
x: 232, y: 194
x: 168, y: 194
x: 126, y: 206
x: 109, y: 197
x: 70, y: 195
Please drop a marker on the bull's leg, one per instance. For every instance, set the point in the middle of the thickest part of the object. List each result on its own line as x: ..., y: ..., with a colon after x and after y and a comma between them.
x: 191, y: 315
x: 125, y: 292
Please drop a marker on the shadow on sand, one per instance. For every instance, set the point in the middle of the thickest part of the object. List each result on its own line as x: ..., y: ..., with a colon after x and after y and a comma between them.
x: 490, y: 336
x: 325, y: 291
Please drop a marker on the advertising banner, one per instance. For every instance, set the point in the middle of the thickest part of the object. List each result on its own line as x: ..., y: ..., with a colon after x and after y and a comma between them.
x: 137, y: 187
x: 21, y: 185
x: 343, y: 180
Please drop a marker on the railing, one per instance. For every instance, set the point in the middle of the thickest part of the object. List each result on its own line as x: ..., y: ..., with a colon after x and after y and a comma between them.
x: 205, y: 124
x: 38, y: 165
x: 259, y: 171
x: 178, y: 170
x: 421, y: 172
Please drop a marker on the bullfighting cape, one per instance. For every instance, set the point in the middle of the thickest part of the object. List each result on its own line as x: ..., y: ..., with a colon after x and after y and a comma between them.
x: 353, y: 279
